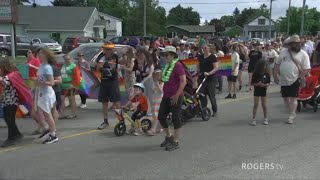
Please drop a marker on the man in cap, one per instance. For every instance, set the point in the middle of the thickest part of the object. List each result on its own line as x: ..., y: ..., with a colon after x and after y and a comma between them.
x: 109, y: 87
x: 174, y: 79
x: 291, y: 67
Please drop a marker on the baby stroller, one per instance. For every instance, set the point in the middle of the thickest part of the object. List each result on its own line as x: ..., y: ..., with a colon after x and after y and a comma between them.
x: 195, y: 104
x: 309, y: 94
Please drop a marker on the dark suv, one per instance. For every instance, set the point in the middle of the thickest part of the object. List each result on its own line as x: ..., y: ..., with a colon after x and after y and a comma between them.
x: 23, y: 45
x: 73, y: 42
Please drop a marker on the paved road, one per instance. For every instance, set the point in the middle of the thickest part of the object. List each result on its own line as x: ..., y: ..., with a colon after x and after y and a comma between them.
x: 222, y: 148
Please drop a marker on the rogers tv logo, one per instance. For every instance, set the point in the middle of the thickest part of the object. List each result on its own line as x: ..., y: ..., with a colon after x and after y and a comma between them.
x: 261, y: 166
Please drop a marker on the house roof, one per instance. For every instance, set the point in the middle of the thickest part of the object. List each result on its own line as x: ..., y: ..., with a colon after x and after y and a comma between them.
x: 43, y: 18
x: 195, y: 28
x: 252, y: 19
x: 100, y: 13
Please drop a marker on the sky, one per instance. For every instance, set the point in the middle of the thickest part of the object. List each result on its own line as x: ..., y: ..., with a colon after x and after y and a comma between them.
x: 210, y: 9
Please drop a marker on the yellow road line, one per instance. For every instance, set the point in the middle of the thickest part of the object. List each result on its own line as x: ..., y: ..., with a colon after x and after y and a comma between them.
x: 79, y: 134
x: 94, y: 131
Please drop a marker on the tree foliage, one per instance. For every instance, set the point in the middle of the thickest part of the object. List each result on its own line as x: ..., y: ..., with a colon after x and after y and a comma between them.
x: 183, y: 16
x: 239, y: 18
x: 218, y: 24
x: 311, y: 26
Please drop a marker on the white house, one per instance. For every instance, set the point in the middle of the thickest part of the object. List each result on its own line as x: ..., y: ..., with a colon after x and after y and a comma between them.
x: 259, y: 28
x: 61, y: 22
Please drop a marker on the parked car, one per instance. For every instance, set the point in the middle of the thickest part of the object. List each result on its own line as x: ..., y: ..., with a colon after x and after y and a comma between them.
x: 73, y: 42
x: 133, y: 40
x: 92, y: 53
x: 23, y: 45
x: 52, y: 44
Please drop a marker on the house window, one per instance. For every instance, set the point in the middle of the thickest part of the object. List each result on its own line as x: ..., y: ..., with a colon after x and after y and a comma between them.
x: 261, y: 21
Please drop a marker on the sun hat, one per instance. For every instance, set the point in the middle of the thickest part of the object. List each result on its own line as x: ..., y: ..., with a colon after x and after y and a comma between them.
x: 294, y: 39
x: 170, y: 49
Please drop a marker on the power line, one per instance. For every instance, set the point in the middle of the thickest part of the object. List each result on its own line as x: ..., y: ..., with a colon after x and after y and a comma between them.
x: 234, y: 2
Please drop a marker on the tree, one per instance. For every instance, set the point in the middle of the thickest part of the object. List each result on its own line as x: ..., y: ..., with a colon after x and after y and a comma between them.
x: 236, y: 15
x: 228, y: 21
x: 131, y: 12
x: 311, y: 25
x: 183, y: 16
x: 219, y: 26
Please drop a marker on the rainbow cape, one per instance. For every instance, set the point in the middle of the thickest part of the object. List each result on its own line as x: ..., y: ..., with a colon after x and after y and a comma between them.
x: 25, y: 95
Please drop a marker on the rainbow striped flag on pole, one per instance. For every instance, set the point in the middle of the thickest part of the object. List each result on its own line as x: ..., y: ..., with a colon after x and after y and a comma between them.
x: 225, y: 66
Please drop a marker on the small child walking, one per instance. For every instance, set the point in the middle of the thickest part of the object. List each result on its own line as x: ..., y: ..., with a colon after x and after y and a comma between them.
x: 157, y: 94
x: 260, y: 81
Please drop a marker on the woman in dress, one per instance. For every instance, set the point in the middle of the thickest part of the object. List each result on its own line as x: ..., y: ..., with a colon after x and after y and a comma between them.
x: 147, y: 74
x: 45, y: 96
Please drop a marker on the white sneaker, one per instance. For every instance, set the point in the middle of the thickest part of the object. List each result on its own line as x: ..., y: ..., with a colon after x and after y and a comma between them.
x: 291, y: 118
x: 82, y: 106
x: 138, y: 133
x: 253, y: 123
x: 265, y: 122
x: 290, y: 121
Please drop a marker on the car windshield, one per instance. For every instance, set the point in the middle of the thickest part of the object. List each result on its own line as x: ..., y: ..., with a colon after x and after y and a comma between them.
x: 47, y: 40
x: 89, y: 52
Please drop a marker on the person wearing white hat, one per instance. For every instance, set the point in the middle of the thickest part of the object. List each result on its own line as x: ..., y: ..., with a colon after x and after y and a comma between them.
x: 291, y: 67
x: 175, y: 80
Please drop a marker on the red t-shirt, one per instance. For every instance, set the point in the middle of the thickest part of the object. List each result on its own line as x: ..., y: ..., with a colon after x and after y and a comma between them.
x: 32, y: 71
x: 143, y: 103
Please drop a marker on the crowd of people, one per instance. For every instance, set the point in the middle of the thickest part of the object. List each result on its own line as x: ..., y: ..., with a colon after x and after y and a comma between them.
x: 155, y: 78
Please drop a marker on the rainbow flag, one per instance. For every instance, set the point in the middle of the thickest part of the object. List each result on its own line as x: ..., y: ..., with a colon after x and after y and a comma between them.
x: 91, y: 82
x: 123, y: 93
x: 191, y: 64
x: 225, y: 66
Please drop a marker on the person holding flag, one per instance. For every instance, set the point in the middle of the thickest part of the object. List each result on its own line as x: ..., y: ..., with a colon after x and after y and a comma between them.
x: 15, y: 92
x: 71, y: 82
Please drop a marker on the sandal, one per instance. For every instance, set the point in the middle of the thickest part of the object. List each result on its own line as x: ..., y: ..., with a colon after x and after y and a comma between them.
x: 71, y: 117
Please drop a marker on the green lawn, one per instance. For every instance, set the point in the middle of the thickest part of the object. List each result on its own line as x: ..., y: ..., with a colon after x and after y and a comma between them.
x: 20, y: 59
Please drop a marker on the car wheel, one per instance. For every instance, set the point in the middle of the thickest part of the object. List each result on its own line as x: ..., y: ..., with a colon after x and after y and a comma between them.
x: 4, y: 52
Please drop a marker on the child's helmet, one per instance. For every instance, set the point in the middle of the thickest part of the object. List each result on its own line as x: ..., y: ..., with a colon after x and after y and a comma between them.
x: 139, y: 85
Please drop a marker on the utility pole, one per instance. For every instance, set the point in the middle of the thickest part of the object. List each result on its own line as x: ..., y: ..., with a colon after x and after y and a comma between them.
x: 288, y: 18
x: 145, y: 18
x: 302, y: 18
x: 270, y: 18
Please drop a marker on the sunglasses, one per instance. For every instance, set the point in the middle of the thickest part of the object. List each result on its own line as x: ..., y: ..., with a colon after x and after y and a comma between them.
x: 165, y: 54
x: 80, y: 55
